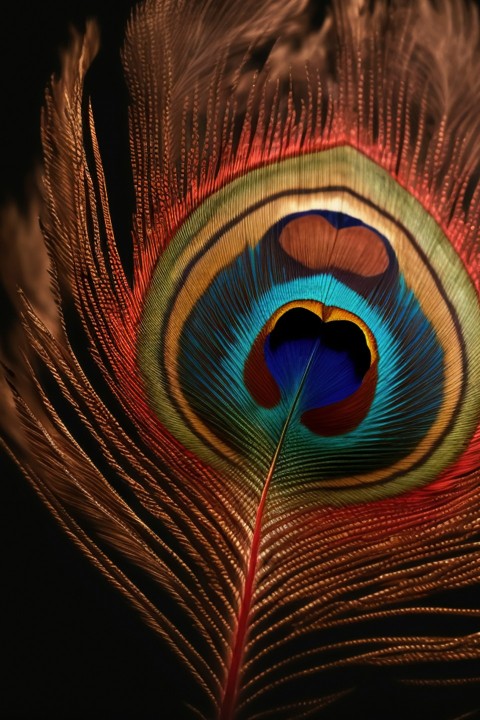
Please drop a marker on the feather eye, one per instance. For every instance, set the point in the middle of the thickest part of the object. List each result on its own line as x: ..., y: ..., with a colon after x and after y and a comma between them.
x: 392, y: 416
x: 279, y: 414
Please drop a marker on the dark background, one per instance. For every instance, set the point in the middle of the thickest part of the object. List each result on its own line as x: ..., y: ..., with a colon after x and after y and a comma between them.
x: 70, y: 646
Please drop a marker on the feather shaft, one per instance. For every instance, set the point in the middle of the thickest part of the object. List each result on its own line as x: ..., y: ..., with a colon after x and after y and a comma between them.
x: 233, y: 677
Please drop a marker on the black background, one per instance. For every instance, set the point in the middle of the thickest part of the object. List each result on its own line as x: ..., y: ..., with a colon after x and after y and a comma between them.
x: 70, y: 646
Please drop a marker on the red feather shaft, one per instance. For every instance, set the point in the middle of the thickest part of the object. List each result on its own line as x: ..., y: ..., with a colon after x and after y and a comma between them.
x: 231, y: 688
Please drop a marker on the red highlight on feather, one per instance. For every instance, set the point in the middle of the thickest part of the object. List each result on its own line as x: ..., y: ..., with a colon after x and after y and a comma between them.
x: 258, y: 378
x: 345, y: 415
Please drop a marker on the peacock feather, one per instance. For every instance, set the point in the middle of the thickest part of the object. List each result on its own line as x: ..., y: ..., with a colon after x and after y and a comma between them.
x: 267, y: 435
